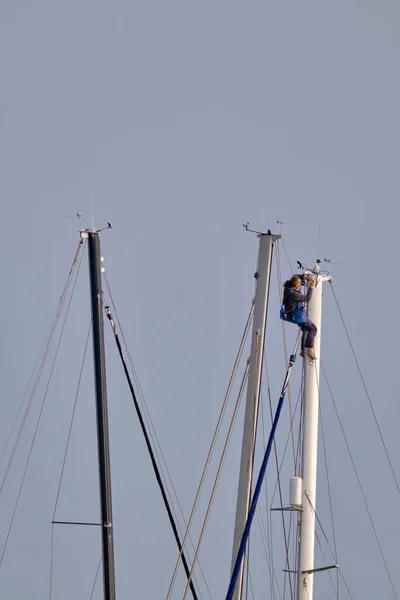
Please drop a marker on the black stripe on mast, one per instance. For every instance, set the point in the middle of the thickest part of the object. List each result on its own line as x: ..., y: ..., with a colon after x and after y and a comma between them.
x: 102, y: 415
x: 152, y: 457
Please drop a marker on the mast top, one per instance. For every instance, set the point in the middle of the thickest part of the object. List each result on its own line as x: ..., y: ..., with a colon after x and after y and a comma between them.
x: 316, y: 270
x: 260, y: 233
x: 84, y: 233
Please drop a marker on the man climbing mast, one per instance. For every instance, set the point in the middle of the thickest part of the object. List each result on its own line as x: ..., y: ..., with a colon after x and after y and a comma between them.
x: 294, y: 312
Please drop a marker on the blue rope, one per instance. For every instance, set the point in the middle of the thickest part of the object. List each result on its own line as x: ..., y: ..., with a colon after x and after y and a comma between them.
x: 246, y: 532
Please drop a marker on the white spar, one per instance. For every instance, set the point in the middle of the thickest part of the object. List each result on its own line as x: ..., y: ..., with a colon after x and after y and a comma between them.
x: 253, y: 393
x: 309, y: 454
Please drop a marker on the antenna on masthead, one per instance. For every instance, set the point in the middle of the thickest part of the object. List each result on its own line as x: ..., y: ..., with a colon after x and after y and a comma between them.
x: 280, y: 223
x: 108, y: 227
x: 246, y: 226
x: 91, y: 208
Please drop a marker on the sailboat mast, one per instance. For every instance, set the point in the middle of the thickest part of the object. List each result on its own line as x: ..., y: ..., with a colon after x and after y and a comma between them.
x: 101, y: 414
x: 253, y: 395
x: 309, y: 453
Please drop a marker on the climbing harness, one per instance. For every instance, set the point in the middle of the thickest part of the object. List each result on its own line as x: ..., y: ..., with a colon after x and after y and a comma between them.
x: 299, y: 316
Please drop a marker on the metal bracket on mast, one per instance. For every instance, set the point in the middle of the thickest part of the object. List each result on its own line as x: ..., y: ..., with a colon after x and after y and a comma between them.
x: 310, y: 571
x: 289, y: 508
x: 259, y: 233
x: 75, y: 523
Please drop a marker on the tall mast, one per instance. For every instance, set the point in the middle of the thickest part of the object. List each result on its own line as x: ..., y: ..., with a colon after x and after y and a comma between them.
x: 101, y: 413
x: 309, y: 454
x: 262, y: 276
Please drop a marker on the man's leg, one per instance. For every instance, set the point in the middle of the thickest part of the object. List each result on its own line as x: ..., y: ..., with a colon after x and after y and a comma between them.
x: 311, y: 333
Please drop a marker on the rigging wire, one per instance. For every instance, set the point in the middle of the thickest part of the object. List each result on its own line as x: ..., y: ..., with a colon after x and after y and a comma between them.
x: 218, y: 474
x: 320, y: 526
x: 254, y: 443
x: 56, y: 318
x: 268, y: 529
x: 161, y: 461
x: 295, y: 463
x: 292, y: 531
x: 329, y: 573
x: 151, y: 453
x: 285, y: 536
x: 275, y: 490
x: 366, y: 390
x: 287, y: 255
x: 324, y: 446
x: 265, y: 539
x: 257, y: 490
x: 42, y: 406
x: 334, y: 553
x: 154, y: 438
x: 289, y: 540
x: 247, y: 572
x: 285, y: 351
x: 296, y: 456
x: 268, y: 536
x: 298, y: 403
x: 328, y: 484
x: 318, y: 238
x: 65, y: 456
x: 141, y: 398
x: 249, y: 581
x: 213, y: 441
x: 359, y: 484
x: 299, y: 451
x: 96, y: 577
x: 330, y: 549
x: 153, y: 434
x: 72, y: 418
x: 45, y: 342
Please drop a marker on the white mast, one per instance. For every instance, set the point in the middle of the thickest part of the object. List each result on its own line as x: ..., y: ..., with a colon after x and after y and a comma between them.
x: 309, y: 455
x: 253, y: 394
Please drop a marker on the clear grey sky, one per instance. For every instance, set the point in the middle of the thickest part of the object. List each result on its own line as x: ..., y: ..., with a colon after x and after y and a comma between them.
x: 188, y: 119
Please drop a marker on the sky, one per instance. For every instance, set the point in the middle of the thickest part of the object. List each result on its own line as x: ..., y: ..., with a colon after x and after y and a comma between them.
x: 188, y: 119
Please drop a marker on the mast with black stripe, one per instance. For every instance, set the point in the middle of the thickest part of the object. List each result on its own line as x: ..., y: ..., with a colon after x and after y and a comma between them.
x: 93, y: 238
